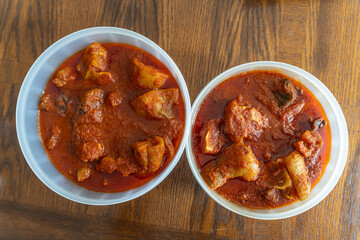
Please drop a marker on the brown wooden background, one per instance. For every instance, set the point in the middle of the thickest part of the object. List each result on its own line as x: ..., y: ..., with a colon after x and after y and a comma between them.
x: 204, y: 38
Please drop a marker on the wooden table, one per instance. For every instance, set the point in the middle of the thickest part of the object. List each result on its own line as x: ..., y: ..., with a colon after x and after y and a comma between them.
x: 204, y: 38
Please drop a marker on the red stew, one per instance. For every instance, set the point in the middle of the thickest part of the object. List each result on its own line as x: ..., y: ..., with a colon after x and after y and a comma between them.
x: 261, y: 140
x: 111, y: 117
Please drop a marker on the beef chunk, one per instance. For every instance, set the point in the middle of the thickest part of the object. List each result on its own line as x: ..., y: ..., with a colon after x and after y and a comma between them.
x: 83, y: 174
x: 107, y: 164
x: 93, y: 64
x: 127, y: 166
x: 149, y: 154
x: 243, y: 121
x: 278, y: 176
x: 115, y: 98
x: 45, y: 103
x: 62, y: 104
x: 147, y: 76
x: 289, y: 115
x: 271, y: 195
x: 91, y: 107
x: 211, y: 137
x: 236, y: 161
x: 90, y: 151
x: 55, y: 138
x: 157, y: 104
x: 309, y: 144
x: 92, y: 99
x: 64, y: 76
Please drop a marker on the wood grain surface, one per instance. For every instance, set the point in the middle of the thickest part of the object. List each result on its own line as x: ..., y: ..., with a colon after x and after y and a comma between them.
x: 204, y: 38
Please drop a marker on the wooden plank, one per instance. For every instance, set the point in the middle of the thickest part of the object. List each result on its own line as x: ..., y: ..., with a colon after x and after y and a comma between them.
x: 26, y: 222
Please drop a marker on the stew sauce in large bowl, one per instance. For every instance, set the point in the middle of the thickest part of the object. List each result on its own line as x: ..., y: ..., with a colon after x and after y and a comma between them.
x: 111, y: 117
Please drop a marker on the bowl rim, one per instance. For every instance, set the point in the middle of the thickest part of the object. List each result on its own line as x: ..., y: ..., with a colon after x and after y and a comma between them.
x: 340, y: 120
x: 20, y: 116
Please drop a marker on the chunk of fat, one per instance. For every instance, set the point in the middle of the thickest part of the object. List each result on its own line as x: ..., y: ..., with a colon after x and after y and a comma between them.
x: 295, y: 165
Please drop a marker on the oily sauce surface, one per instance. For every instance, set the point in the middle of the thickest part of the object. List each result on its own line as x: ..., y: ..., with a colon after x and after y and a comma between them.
x: 121, y: 125
x: 272, y: 141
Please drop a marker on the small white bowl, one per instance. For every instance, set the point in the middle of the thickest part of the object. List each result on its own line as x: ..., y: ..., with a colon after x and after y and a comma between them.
x: 339, y: 141
x: 33, y: 87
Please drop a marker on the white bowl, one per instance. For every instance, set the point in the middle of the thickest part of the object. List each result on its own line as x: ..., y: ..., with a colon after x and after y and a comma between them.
x: 33, y: 87
x: 339, y: 141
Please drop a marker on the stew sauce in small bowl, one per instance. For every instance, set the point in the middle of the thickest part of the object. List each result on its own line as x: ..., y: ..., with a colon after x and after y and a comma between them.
x: 263, y: 139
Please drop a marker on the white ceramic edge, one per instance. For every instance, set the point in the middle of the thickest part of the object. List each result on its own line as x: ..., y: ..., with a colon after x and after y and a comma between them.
x: 341, y: 124
x: 20, y: 116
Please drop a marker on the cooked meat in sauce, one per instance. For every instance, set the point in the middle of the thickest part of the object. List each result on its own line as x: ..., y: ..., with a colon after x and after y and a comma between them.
x: 111, y: 117
x: 157, y: 104
x: 212, y: 139
x: 237, y: 161
x: 261, y: 140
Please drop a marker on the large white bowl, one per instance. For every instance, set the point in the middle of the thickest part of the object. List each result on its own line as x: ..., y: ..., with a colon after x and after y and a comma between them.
x: 33, y: 87
x: 339, y: 141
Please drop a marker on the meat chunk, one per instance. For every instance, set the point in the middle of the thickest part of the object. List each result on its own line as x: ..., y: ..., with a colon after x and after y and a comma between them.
x: 286, y: 93
x: 95, y: 116
x: 95, y: 57
x: 90, y: 151
x: 46, y: 103
x: 107, y: 164
x: 115, y: 98
x: 147, y: 76
x: 127, y: 166
x: 289, y: 193
x: 62, y: 104
x: 64, y: 76
x: 83, y: 174
x: 101, y: 78
x: 289, y: 115
x: 309, y: 144
x: 92, y: 99
x: 87, y: 133
x: 124, y: 166
x: 55, y: 138
x: 91, y: 107
x: 157, y: 104
x: 149, y: 153
x: 278, y: 176
x: 236, y: 161
x: 93, y: 64
x: 243, y: 121
x: 279, y: 97
x: 271, y: 195
x: 265, y: 95
x: 295, y: 165
x: 211, y: 137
